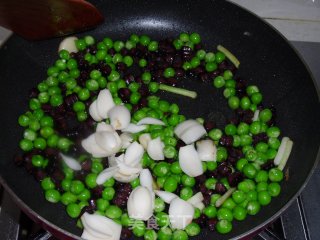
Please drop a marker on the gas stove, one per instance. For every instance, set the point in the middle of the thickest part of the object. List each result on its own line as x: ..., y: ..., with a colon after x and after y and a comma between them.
x: 299, y: 222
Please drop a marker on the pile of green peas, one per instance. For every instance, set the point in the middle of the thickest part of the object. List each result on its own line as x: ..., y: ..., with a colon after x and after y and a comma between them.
x: 255, y: 191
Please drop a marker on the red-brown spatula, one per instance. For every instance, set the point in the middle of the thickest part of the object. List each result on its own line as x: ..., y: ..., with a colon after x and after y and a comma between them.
x: 42, y: 19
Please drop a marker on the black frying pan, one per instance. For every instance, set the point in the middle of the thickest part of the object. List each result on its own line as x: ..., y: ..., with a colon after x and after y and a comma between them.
x: 267, y: 60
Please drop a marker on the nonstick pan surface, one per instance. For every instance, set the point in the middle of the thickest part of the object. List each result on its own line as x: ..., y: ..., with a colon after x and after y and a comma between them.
x: 267, y: 60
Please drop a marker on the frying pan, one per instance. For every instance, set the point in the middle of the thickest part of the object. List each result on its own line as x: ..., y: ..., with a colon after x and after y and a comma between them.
x: 267, y: 60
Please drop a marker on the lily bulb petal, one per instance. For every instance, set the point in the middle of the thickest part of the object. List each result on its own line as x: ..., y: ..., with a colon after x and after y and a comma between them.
x: 93, y: 111
x: 133, y: 154
x: 90, y: 145
x: 189, y: 161
x: 100, y: 227
x: 140, y: 203
x: 106, y: 174
x: 180, y: 213
x: 146, y: 179
x: 155, y: 149
x: 69, y: 44
x: 104, y: 103
x: 206, y: 149
x: 119, y: 117
x: 71, y: 162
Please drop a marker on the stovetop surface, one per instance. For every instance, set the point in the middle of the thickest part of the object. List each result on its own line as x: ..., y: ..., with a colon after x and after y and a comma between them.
x: 300, y: 221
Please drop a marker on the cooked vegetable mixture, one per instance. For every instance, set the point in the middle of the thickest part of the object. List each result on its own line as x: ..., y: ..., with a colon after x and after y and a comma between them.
x: 125, y: 162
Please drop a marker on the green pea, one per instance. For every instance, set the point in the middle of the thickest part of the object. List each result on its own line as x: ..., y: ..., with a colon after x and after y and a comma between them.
x: 265, y: 115
x: 241, y: 163
x: 222, y: 154
x: 125, y: 220
x: 239, y: 213
x: 164, y: 233
x: 210, y: 211
x: 96, y: 166
x: 37, y: 160
x: 233, y: 102
x: 229, y: 92
x: 252, y: 195
x: 170, y: 185
x: 245, y: 140
x: 210, y: 183
x: 224, y: 214
x: 209, y: 57
x: 210, y: 67
x: 219, y: 82
x: 47, y: 184
x: 243, y: 128
x: 262, y: 147
x: 65, y: 184
x: 253, y: 207
x: 160, y: 181
x: 249, y: 170
x: 113, y: 212
x: 161, y: 169
x: 188, y: 181
x: 76, y: 187
x: 274, y: 143
x: 179, y: 235
x: 238, y: 196
x: 175, y: 168
x: 229, y: 204
x: 26, y: 145
x: 262, y: 176
x: 144, y: 40
x: 46, y: 132
x: 102, y: 204
x: 64, y: 144
x: 52, y: 195
x: 52, y: 140
x: 230, y: 129
x: 245, y: 186
x: 84, y: 94
x: 162, y: 219
x: 73, y: 210
x: 211, y: 165
x: 68, y: 198
x: 195, y: 38
x: 109, y: 183
x: 220, y: 57
x: 252, y: 89
x: 150, y: 234
x: 223, y: 226
x: 273, y: 132
x: 192, y: 229
x: 146, y: 77
x: 275, y: 175
x: 274, y: 189
x: 215, y: 134
x: 84, y: 195
x: 135, y: 183
x: 40, y: 143
x: 118, y: 45
x: 153, y: 87
x: 159, y: 205
x: 108, y: 193
x: 245, y: 103
x: 262, y: 186
x: 186, y: 193
x: 142, y: 63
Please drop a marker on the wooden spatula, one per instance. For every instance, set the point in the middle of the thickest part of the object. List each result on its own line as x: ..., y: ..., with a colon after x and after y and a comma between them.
x: 42, y: 19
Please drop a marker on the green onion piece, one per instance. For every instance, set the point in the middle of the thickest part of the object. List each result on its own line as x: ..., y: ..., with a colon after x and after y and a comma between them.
x: 286, y: 155
x: 224, y: 197
x: 229, y: 55
x: 179, y: 91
